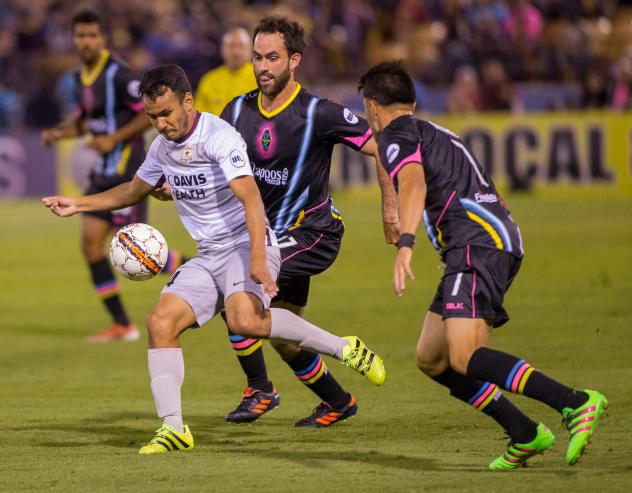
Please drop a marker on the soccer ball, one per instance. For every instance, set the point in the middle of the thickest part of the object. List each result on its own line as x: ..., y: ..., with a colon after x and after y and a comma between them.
x: 138, y: 251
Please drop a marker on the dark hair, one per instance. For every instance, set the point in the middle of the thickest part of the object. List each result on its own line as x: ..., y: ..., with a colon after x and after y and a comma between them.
x: 388, y: 83
x: 157, y: 80
x: 88, y: 17
x: 292, y: 33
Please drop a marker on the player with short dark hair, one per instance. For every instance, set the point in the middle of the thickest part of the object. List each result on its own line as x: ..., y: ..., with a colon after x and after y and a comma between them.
x: 438, y: 179
x: 110, y: 110
x: 204, y: 160
x: 290, y: 134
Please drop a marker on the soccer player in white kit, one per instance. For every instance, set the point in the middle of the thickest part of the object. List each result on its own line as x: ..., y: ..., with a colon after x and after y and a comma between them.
x: 205, y: 163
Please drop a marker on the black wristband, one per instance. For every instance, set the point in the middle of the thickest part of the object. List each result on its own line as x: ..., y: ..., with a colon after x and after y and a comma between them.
x: 406, y: 240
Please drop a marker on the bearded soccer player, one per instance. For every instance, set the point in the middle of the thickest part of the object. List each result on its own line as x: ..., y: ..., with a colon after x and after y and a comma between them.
x: 438, y: 179
x: 111, y: 110
x: 204, y: 160
x: 290, y: 134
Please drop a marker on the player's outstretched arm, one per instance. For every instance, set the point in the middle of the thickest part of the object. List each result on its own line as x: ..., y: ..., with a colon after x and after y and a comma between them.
x: 390, y: 214
x: 106, y: 143
x: 412, y: 197
x: 246, y: 190
x: 121, y: 196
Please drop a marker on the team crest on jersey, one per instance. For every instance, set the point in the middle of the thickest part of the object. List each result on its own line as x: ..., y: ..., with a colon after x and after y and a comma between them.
x: 350, y: 117
x: 266, y: 141
x: 187, y: 154
x: 391, y: 152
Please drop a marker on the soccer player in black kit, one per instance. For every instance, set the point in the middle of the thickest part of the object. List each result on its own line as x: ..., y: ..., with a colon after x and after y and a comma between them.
x: 290, y: 134
x: 111, y: 110
x: 438, y: 179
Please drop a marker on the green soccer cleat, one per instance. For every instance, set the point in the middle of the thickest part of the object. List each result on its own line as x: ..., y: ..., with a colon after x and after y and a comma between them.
x: 359, y: 357
x: 517, y: 454
x: 581, y: 423
x: 167, y: 439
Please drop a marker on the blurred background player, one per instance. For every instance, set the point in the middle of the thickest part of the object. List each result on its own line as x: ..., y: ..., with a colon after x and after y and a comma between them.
x: 111, y: 110
x: 218, y: 86
x: 438, y: 179
x: 290, y: 135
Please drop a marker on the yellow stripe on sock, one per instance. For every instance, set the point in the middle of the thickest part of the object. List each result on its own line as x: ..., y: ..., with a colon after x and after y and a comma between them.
x: 317, y: 376
x: 523, y: 380
x: 249, y: 350
x: 488, y: 400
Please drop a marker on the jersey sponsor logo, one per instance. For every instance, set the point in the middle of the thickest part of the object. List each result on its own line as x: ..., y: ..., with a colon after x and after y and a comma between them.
x: 271, y: 176
x: 132, y: 88
x: 187, y: 154
x: 488, y: 198
x: 391, y: 152
x: 237, y: 159
x: 350, y: 117
x: 186, y: 180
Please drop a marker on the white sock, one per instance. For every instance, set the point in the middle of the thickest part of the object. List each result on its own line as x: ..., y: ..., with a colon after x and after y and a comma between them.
x: 288, y: 327
x: 166, y: 370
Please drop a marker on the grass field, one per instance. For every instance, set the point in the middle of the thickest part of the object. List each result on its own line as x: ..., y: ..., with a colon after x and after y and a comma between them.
x: 74, y: 414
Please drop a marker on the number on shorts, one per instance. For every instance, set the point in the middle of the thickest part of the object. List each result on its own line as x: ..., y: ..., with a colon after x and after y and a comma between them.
x: 172, y: 279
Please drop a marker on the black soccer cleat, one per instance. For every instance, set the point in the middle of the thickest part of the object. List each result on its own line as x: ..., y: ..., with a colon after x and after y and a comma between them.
x: 324, y: 415
x: 254, y: 404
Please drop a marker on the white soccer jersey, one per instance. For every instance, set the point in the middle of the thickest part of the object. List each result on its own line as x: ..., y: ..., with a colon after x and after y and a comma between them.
x: 198, y: 168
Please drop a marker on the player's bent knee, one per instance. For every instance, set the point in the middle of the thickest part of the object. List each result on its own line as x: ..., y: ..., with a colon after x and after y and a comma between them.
x: 160, y: 327
x: 431, y: 366
x: 245, y: 324
x: 459, y: 361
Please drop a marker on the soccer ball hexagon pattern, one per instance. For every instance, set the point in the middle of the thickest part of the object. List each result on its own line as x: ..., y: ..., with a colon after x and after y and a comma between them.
x: 138, y: 251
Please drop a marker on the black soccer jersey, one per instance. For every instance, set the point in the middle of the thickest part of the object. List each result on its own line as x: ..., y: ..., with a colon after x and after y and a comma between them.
x: 290, y: 153
x: 462, y: 205
x: 108, y: 99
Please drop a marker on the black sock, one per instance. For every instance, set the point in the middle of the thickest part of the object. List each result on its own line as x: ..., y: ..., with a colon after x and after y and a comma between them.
x: 311, y: 370
x: 107, y: 288
x: 250, y: 355
x: 519, y: 377
x: 487, y: 398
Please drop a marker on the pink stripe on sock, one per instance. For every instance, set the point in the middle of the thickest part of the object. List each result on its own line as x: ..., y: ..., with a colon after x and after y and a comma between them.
x: 313, y: 372
x: 485, y: 395
x: 243, y: 344
x: 516, y: 381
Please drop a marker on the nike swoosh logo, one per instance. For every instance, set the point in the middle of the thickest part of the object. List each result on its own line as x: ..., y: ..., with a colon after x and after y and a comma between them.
x: 240, y: 282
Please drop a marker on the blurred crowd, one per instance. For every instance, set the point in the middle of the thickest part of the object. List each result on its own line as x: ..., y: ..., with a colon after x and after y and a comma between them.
x: 477, y: 50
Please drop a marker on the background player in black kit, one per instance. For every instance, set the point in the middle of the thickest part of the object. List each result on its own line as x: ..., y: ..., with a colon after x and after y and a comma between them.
x: 111, y: 110
x: 438, y: 179
x: 290, y: 135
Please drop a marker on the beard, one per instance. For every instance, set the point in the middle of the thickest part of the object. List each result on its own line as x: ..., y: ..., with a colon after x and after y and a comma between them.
x: 280, y: 81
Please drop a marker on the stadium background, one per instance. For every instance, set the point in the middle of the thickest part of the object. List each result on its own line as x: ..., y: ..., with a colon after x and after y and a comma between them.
x: 540, y: 89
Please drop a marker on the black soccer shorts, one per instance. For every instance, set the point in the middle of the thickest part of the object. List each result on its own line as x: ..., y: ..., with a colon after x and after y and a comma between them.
x: 305, y: 253
x: 474, y: 284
